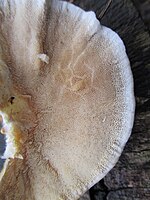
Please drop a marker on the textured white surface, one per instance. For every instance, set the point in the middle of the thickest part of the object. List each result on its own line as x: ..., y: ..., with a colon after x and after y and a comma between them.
x: 44, y: 58
x: 83, y: 98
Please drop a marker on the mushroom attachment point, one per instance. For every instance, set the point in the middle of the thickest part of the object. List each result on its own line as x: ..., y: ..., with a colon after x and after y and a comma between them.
x: 71, y: 102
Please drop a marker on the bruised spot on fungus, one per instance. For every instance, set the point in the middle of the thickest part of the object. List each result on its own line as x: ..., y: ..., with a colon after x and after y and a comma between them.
x: 11, y: 100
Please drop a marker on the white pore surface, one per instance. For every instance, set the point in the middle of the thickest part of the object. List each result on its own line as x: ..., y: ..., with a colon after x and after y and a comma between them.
x: 83, y: 95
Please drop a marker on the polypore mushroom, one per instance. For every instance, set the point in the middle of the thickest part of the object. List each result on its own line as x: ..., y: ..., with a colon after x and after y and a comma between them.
x: 73, y: 105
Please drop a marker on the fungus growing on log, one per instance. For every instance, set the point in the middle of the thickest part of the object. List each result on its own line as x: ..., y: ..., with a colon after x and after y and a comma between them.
x: 73, y: 106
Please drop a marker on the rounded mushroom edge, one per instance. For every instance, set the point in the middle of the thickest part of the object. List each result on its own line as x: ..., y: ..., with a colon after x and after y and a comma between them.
x: 74, y: 98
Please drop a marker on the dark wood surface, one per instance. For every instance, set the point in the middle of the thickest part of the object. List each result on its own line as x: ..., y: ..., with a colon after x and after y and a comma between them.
x: 130, y: 178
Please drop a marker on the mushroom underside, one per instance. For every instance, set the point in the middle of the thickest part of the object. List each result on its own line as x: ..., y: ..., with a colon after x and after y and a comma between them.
x: 73, y: 105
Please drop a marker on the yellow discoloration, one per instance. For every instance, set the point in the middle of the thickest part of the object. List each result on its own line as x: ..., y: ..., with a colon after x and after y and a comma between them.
x: 18, y: 136
x: 17, y: 112
x: 14, y: 110
x: 80, y: 85
x: 2, y: 131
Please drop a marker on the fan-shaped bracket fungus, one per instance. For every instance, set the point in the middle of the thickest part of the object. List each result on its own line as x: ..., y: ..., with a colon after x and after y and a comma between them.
x: 73, y: 106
